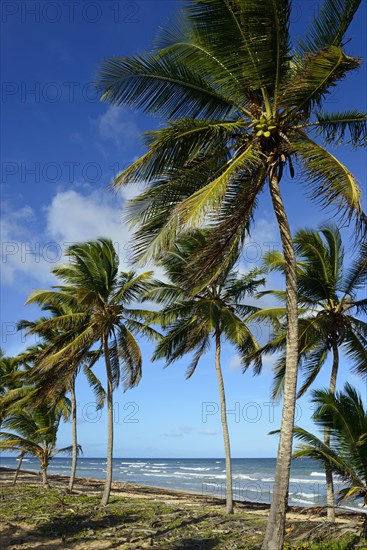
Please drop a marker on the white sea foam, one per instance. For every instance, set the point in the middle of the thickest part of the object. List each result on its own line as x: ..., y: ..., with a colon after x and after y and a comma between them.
x: 301, y: 501
x: 307, y: 495
x: 298, y: 480
x: 321, y: 474
x: 186, y: 468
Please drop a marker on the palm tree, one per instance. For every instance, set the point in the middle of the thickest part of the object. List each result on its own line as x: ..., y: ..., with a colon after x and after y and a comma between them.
x: 34, y: 432
x: 329, y: 305
x: 240, y: 105
x: 10, y: 378
x: 52, y: 387
x: 13, y: 385
x: 194, y: 320
x: 99, y: 296
x: 346, y: 454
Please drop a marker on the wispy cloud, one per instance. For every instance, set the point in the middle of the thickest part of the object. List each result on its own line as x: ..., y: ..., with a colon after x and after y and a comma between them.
x: 117, y: 126
x: 183, y: 430
x: 208, y: 432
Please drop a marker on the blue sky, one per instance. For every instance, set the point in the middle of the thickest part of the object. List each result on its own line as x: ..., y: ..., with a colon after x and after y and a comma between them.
x: 60, y: 149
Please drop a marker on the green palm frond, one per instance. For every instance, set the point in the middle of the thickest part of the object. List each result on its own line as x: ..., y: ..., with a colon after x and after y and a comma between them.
x: 330, y: 24
x: 333, y: 127
x: 158, y: 84
x: 330, y: 183
x: 312, y: 78
x: 182, y: 141
x: 355, y: 348
x: 68, y: 450
x: 96, y: 386
x: 312, y: 364
x: 250, y: 39
x: 356, y: 277
x: 210, y: 198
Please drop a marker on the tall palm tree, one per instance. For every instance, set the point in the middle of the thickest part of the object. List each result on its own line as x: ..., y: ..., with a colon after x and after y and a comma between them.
x: 195, y: 319
x: 34, y: 432
x: 99, y: 296
x: 329, y: 308
x: 345, y: 417
x: 240, y: 105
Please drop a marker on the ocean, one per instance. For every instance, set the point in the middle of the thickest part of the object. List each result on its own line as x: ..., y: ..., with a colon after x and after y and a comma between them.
x: 252, y: 477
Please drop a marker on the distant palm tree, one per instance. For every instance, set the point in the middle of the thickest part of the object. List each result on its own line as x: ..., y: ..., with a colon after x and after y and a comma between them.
x: 344, y: 415
x: 329, y: 313
x: 34, y: 432
x: 102, y: 294
x: 195, y: 319
x: 240, y: 104
x: 11, y: 377
x: 11, y: 382
x: 47, y: 383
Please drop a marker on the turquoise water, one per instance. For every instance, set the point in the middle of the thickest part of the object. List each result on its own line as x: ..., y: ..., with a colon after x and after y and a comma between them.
x: 252, y: 477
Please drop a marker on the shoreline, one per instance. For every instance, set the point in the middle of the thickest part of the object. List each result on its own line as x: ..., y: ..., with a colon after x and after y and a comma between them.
x: 150, y: 492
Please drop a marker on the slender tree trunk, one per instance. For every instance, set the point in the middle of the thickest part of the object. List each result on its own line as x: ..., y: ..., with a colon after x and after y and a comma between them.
x: 328, y: 469
x: 74, y: 436
x: 223, y: 413
x: 108, y: 482
x: 45, y: 482
x: 20, y: 460
x: 274, y: 536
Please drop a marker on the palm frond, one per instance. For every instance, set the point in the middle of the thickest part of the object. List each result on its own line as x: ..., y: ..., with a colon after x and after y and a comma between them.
x: 330, y: 183
x: 333, y: 127
x: 330, y: 24
x: 159, y: 85
x: 313, y: 77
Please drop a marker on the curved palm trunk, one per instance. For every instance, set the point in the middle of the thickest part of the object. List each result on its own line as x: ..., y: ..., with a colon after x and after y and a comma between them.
x: 227, y: 447
x: 21, y: 456
x: 74, y: 436
x: 274, y: 536
x: 328, y: 469
x: 108, y: 482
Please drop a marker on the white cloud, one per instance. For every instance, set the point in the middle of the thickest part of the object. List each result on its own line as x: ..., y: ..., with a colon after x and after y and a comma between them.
x: 73, y: 217
x: 18, y: 252
x: 34, y: 242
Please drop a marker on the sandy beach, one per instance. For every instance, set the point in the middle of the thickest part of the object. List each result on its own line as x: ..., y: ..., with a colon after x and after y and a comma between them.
x: 141, y: 517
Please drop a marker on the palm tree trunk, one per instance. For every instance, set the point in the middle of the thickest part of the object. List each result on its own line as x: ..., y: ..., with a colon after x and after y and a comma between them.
x: 74, y: 436
x: 108, y: 482
x: 20, y: 460
x: 45, y: 482
x: 227, y: 447
x: 274, y: 536
x: 328, y: 469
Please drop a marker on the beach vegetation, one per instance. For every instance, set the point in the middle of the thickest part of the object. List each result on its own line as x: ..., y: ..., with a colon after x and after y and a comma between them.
x: 241, y: 105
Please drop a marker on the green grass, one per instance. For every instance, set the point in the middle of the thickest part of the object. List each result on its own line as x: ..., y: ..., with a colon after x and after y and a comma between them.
x: 136, y: 523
